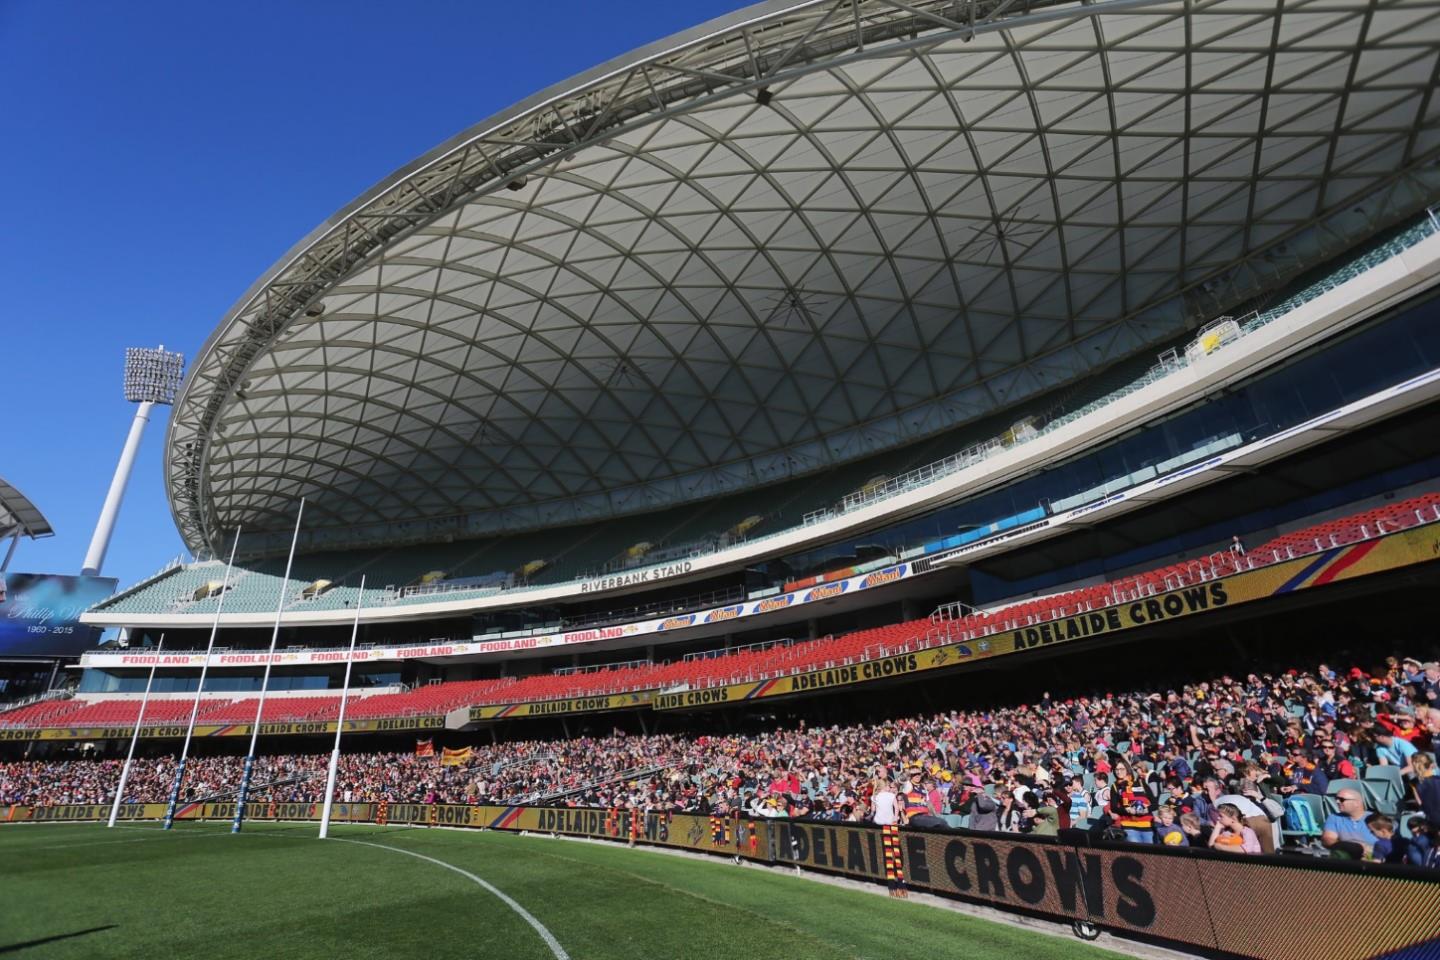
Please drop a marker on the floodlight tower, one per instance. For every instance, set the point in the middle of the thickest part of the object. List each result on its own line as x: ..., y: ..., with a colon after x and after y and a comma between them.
x: 151, y: 377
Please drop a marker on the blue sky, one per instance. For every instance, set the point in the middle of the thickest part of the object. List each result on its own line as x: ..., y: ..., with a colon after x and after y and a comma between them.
x: 160, y: 156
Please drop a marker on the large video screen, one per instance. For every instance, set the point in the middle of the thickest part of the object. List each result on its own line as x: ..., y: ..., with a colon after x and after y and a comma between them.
x: 40, y: 613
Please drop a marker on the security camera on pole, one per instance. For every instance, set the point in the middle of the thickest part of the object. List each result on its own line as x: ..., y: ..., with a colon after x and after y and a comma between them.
x: 151, y: 377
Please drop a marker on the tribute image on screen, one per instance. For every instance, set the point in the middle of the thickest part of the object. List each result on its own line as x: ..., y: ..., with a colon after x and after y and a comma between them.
x: 40, y: 613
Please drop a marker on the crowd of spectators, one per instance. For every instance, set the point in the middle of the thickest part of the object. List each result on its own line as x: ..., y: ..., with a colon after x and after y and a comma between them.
x: 1209, y: 764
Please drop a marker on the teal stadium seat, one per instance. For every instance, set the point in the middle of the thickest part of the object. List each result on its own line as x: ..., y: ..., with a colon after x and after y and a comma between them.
x: 1384, y: 787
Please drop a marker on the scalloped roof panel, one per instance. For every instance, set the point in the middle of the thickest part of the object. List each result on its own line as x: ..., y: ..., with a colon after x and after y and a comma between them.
x: 788, y: 239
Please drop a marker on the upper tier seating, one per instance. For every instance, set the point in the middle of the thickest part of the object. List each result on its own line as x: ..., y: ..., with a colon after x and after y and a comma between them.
x: 257, y: 587
x: 756, y: 663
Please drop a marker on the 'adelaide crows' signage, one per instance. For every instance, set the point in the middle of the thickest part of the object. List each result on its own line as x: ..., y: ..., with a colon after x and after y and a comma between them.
x: 1166, y: 606
x: 1341, y: 563
x: 1196, y: 898
x: 548, y: 708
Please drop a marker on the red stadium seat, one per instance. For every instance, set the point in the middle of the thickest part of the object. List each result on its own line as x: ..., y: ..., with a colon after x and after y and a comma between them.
x: 747, y: 664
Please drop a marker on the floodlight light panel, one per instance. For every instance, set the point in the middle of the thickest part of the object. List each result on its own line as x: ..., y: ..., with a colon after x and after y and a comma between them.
x: 152, y: 375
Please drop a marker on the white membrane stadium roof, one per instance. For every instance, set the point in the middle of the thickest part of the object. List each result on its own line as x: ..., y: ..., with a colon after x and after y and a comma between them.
x: 793, y: 237
x: 19, y: 515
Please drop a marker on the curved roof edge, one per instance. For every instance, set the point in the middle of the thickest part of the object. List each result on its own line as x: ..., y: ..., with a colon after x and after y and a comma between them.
x: 19, y: 515
x: 746, y: 50
x: 1307, y: 325
x: 718, y: 58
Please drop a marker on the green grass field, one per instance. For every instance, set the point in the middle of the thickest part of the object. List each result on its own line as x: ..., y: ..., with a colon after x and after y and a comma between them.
x: 79, y: 890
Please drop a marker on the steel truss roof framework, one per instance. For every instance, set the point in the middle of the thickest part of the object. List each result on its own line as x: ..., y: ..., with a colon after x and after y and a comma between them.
x: 787, y: 239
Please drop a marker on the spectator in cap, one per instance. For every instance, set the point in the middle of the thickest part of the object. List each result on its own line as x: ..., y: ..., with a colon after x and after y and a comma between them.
x: 984, y: 811
x: 1303, y: 775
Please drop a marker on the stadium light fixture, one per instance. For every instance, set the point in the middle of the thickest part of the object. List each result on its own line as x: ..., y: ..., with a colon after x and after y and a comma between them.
x: 151, y: 376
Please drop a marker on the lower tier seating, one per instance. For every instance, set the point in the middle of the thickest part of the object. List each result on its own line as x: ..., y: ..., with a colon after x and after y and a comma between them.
x: 755, y: 663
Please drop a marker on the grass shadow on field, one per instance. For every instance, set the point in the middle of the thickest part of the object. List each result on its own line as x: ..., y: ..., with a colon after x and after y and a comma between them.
x: 27, y: 944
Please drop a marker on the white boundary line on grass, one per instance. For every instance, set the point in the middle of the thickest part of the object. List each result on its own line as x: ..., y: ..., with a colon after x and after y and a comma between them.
x: 526, y: 915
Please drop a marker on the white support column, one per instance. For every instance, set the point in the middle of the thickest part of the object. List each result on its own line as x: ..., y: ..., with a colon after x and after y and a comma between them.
x: 340, y: 722
x: 249, y: 768
x: 135, y: 736
x: 200, y: 689
x: 10, y: 551
x: 105, y: 526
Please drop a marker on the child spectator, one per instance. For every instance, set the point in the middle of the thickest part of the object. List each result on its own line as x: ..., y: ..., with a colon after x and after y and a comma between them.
x: 1079, y: 802
x: 1231, y: 835
x: 1193, y: 828
x: 1167, y: 832
x: 1388, y: 847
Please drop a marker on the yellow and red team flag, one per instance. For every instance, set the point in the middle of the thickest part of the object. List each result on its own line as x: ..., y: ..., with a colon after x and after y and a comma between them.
x: 424, y: 748
x: 454, y: 758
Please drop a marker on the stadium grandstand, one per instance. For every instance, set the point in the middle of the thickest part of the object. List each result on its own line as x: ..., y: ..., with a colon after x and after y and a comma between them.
x: 1029, y: 408
x: 25, y: 670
